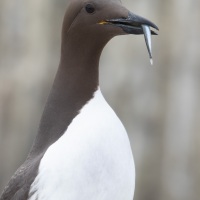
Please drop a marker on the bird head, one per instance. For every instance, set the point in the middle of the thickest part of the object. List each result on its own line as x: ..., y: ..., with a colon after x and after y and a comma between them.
x: 97, y: 21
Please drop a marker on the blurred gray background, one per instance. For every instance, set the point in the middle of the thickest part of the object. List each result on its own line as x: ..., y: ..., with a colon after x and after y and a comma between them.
x: 159, y: 105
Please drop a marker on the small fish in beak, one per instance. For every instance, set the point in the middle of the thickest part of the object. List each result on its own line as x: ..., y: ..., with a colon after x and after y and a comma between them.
x: 147, y: 36
x: 134, y: 24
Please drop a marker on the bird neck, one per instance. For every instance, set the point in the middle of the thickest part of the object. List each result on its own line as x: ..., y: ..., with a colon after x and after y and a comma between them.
x: 76, y: 81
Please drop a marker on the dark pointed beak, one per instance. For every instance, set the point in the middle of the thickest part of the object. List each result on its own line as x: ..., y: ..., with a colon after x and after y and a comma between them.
x: 132, y: 24
x: 135, y: 24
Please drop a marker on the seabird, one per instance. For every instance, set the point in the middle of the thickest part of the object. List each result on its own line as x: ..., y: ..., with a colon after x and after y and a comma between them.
x: 82, y: 151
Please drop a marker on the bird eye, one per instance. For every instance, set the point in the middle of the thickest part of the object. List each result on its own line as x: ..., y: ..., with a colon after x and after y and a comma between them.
x: 89, y: 8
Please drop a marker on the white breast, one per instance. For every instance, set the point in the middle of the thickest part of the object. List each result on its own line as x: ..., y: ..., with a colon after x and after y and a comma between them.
x: 91, y: 161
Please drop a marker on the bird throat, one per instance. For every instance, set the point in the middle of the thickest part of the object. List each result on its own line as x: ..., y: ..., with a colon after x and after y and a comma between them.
x: 75, y: 83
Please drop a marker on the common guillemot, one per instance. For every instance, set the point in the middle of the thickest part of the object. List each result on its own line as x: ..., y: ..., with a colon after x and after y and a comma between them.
x: 82, y: 150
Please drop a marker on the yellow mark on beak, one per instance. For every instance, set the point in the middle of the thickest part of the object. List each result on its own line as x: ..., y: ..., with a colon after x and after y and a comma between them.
x: 103, y: 22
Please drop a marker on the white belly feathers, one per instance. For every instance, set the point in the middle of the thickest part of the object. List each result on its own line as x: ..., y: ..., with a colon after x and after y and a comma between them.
x: 91, y: 161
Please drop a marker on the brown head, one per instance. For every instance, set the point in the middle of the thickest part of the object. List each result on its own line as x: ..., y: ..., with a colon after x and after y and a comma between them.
x: 95, y: 22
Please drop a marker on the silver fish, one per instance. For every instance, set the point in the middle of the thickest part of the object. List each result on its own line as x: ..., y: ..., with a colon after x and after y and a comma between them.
x: 147, y: 36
